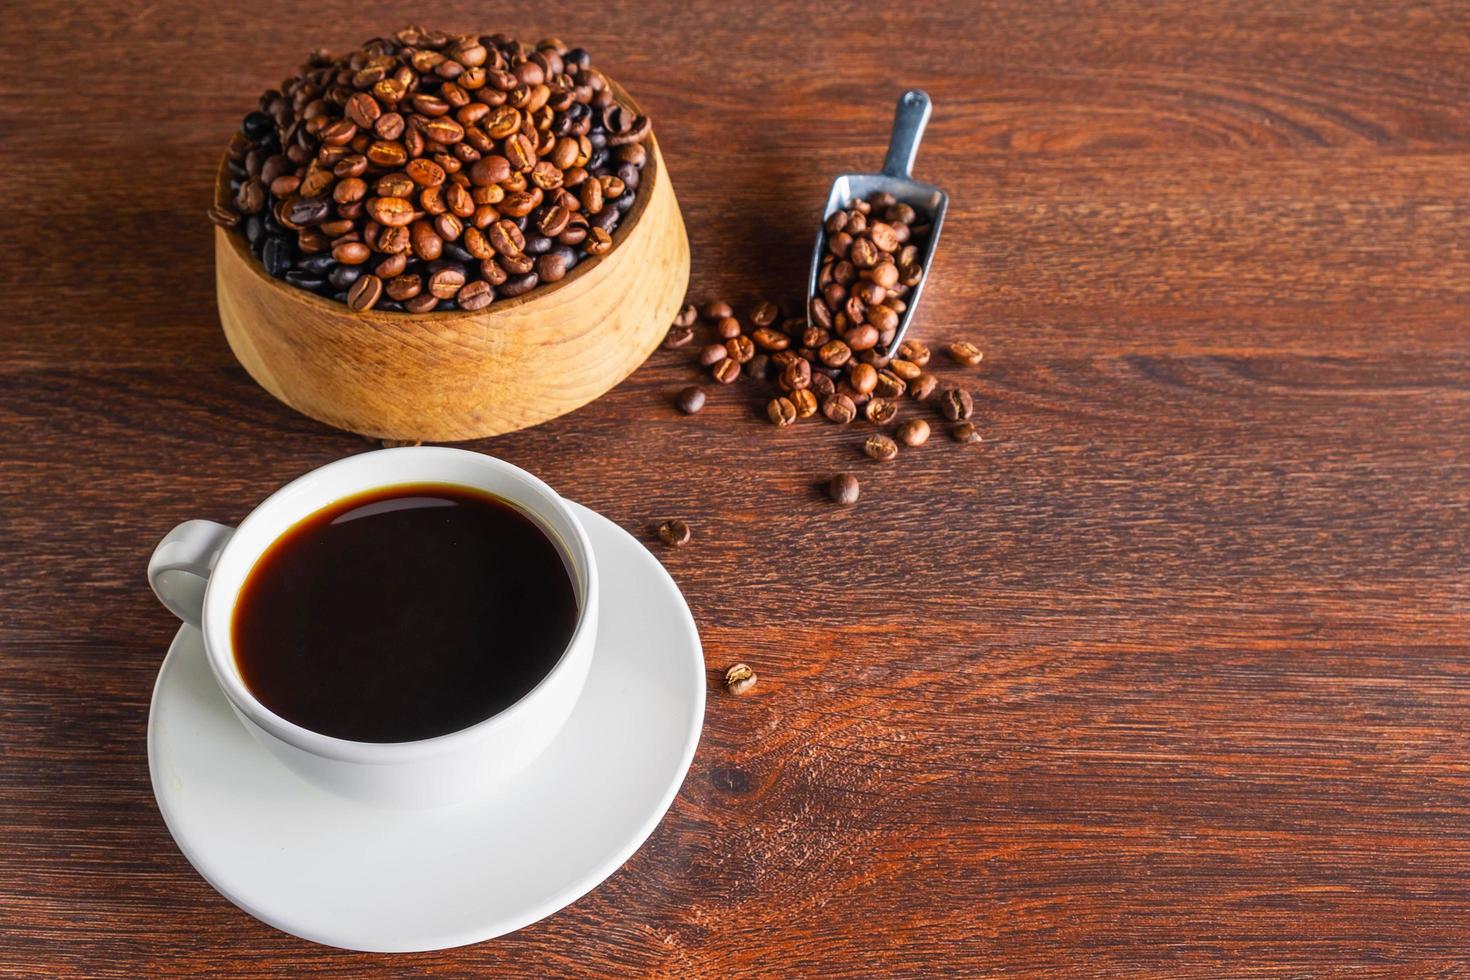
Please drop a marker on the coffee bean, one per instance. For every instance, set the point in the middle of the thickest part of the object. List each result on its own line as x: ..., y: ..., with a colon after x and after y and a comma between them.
x: 914, y: 432
x: 880, y: 447
x: 343, y: 276
x: 690, y: 399
x: 717, y: 310
x: 519, y: 284
x: 555, y: 264
x: 956, y: 404
x: 880, y: 411
x: 712, y: 354
x: 862, y: 337
x: 727, y: 327
x: 365, y: 293
x: 304, y: 280
x: 965, y: 432
x: 843, y: 489
x: 889, y: 385
x: 446, y: 280
x: 834, y: 353
x: 781, y: 412
x: 740, y: 680
x: 726, y: 371
x: 795, y: 375
x: 679, y: 336
x: 674, y: 532
x: 422, y: 303
x: 740, y: 348
x: 276, y: 256
x: 475, y: 295
x: 965, y: 353
x: 820, y: 313
x: 839, y: 408
x: 805, y: 402
x: 822, y: 385
x: 906, y: 370
x: 770, y: 339
x: 863, y: 378
x: 758, y: 367
x: 686, y: 316
x: 922, y: 387
x: 764, y: 314
x: 224, y: 217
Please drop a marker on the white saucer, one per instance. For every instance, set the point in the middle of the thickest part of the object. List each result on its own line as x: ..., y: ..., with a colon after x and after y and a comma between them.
x: 348, y: 875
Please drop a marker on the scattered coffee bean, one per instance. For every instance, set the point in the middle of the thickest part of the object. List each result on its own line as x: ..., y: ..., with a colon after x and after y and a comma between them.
x: 839, y: 408
x: 690, y: 399
x: 679, y: 337
x: 712, y: 354
x: 843, y: 489
x: 686, y: 316
x: 758, y: 367
x: 805, y: 402
x: 781, y: 412
x: 922, y: 387
x: 881, y: 411
x: 764, y: 314
x: 880, y: 447
x: 717, y: 310
x: 727, y: 328
x: 914, y: 432
x: 965, y: 432
x: 740, y: 680
x: 956, y: 404
x: 965, y: 353
x: 726, y: 371
x: 674, y: 532
x: 914, y: 352
x: 740, y: 348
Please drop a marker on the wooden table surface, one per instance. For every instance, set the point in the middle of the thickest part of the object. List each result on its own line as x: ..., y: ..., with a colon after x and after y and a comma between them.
x: 1171, y: 676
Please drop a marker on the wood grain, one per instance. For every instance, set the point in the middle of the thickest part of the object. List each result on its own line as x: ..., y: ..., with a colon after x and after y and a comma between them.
x: 1169, y: 677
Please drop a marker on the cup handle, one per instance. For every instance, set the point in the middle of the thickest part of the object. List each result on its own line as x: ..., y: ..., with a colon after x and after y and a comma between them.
x: 180, y: 566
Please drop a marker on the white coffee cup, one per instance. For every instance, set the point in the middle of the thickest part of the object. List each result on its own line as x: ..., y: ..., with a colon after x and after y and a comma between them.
x: 197, y: 571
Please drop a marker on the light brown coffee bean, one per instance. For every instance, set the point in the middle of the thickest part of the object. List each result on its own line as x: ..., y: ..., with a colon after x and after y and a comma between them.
x: 391, y: 211
x: 781, y: 412
x: 675, y: 533
x: 839, y: 408
x: 956, y: 404
x: 965, y: 432
x: 797, y: 374
x: 727, y: 328
x: 880, y: 447
x: 365, y: 293
x: 907, y: 370
x: 805, y: 402
x: 475, y: 295
x: 770, y: 339
x: 880, y: 411
x: 726, y: 372
x: 843, y: 489
x: 922, y: 387
x: 740, y: 348
x: 862, y: 337
x: 914, y: 432
x: 863, y: 378
x: 965, y: 353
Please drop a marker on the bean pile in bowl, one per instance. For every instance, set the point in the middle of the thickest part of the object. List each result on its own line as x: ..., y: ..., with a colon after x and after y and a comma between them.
x: 427, y: 171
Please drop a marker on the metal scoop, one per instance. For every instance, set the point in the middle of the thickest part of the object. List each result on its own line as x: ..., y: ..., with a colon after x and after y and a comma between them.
x: 909, y: 120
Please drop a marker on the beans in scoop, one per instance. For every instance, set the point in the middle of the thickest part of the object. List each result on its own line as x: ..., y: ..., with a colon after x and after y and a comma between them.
x: 428, y: 171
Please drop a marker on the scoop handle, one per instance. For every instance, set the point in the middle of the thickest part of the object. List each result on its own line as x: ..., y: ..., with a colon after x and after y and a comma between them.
x: 909, y: 120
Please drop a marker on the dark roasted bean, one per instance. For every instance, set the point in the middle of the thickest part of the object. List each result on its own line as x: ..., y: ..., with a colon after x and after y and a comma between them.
x: 839, y: 408
x: 965, y: 432
x: 365, y: 293
x: 956, y: 404
x: 843, y: 489
x: 690, y: 399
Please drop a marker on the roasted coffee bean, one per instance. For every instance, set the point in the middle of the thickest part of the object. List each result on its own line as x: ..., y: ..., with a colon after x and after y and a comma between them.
x: 843, y: 489
x: 881, y: 448
x: 913, y: 351
x: 883, y: 318
x: 797, y: 374
x: 965, y: 353
x: 805, y: 402
x: 305, y: 280
x: 764, y: 314
x: 674, y: 533
x: 365, y: 293
x: 839, y: 408
x: 341, y: 277
x: 404, y: 287
x: 781, y: 412
x: 224, y: 217
x: 862, y: 337
x: 914, y: 432
x: 758, y: 367
x: 686, y: 316
x: 907, y: 370
x: 442, y: 135
x: 446, y: 280
x: 820, y: 313
x: 863, y: 378
x: 822, y: 385
x: 740, y: 680
x: 727, y: 328
x: 276, y: 257
x: 880, y: 411
x: 834, y: 353
x: 769, y: 339
x: 717, y: 310
x: 956, y: 404
x: 889, y: 385
x: 475, y: 295
x: 740, y: 348
x: 964, y: 432
x: 726, y: 371
x: 678, y: 337
x: 518, y: 284
x: 712, y: 354
x: 690, y: 399
x: 863, y: 253
x: 922, y: 387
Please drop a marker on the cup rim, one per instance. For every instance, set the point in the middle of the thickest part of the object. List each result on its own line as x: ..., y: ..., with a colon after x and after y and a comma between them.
x: 219, y: 651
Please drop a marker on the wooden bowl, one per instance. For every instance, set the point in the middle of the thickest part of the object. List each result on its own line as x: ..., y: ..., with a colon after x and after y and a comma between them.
x: 441, y: 377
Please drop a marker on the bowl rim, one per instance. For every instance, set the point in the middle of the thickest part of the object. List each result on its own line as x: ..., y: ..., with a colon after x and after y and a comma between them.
x: 650, y: 174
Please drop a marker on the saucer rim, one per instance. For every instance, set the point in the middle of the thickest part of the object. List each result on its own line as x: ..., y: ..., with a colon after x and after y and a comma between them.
x: 575, y: 890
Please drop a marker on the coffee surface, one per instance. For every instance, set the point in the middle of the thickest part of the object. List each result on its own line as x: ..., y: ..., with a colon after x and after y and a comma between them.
x: 403, y: 613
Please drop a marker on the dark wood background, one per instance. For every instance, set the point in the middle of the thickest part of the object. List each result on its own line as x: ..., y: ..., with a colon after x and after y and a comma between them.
x: 1172, y: 676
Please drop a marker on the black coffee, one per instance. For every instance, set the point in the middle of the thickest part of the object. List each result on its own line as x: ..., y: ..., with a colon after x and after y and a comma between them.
x: 403, y: 613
